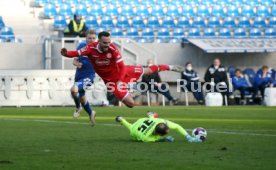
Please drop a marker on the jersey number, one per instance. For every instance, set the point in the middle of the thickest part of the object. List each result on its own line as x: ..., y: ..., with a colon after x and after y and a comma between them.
x: 145, y: 125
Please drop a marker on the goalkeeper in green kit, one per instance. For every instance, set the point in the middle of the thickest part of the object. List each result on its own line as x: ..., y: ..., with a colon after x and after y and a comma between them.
x: 153, y: 129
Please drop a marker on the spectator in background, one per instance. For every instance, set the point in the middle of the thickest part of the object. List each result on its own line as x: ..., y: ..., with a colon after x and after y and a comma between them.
x: 190, y: 80
x: 158, y: 86
x: 263, y: 79
x: 241, y: 84
x: 216, y: 76
x: 76, y: 27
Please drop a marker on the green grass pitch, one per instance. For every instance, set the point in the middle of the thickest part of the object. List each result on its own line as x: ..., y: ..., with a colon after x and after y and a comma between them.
x: 239, y: 138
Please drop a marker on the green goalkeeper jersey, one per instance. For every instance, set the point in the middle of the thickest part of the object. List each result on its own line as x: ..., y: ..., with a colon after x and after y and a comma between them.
x: 142, y: 129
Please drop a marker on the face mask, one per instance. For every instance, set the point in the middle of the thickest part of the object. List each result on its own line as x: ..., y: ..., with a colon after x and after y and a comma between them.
x: 189, y: 68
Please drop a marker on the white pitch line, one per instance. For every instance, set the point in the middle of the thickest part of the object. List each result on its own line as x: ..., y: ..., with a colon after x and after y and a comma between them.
x: 230, y: 132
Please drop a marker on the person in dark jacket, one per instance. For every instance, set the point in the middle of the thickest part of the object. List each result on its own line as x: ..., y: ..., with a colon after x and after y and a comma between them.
x: 190, y: 81
x: 158, y: 86
x: 263, y: 79
x: 240, y: 83
x: 76, y: 27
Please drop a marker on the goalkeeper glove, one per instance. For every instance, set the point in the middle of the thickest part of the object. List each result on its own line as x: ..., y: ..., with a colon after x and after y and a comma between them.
x: 192, y: 139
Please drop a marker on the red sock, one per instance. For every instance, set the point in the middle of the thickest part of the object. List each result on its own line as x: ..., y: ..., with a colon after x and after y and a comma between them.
x: 163, y: 67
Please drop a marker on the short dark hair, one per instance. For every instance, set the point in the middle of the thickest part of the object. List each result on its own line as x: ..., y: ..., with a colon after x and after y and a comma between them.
x: 161, y: 129
x: 103, y: 34
x: 238, y: 70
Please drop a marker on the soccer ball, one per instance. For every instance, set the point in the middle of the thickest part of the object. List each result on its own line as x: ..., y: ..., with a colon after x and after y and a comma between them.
x: 200, y: 133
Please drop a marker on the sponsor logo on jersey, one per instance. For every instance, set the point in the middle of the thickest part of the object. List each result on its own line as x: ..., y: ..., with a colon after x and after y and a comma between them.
x: 109, y: 55
x: 102, y: 62
x: 83, y: 49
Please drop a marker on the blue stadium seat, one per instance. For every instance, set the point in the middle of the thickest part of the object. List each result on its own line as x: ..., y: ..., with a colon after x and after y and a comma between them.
x: 161, y: 40
x: 56, y: 2
x: 203, y: 11
x: 148, y: 32
x: 244, y: 22
x: 96, y: 10
x: 198, y: 22
x: 50, y: 11
x: 248, y: 11
x: 259, y: 22
x: 183, y: 22
x: 107, y: 22
x: 237, y: 2
x: 2, y: 40
x: 153, y: 22
x: 111, y: 10
x: 99, y: 29
x: 178, y: 2
x: 250, y: 73
x: 2, y: 24
x: 127, y: 10
x: 168, y: 22
x: 214, y: 22
x: 193, y: 2
x: 273, y: 10
x: 91, y: 22
x: 240, y: 33
x: 118, y: 2
x: 60, y: 22
x: 194, y: 33
x: 174, y: 40
x: 142, y: 10
x: 222, y: 2
x: 66, y: 11
x: 16, y: 40
x: 101, y: 3
x: 86, y: 2
x: 141, y: 40
x: 6, y: 33
x: 138, y: 22
x: 267, y: 2
x: 233, y: 11
x: 224, y: 33
x: 255, y: 33
x: 263, y: 11
x: 157, y: 11
x: 231, y: 71
x: 208, y: 2
x: 217, y: 11
x: 162, y: 2
x: 163, y: 32
x: 209, y: 32
x: 122, y: 22
x: 40, y: 2
x: 117, y: 32
x: 187, y: 11
x: 270, y: 33
x: 71, y: 2
x: 132, y: 32
x: 148, y: 2
x: 133, y: 2
x: 172, y: 11
x: 272, y: 22
x: 178, y: 32
x: 229, y: 22
x: 252, y: 2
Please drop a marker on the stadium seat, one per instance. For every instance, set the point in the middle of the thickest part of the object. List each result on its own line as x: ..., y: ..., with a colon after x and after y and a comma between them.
x: 157, y: 11
x: 138, y: 22
x: 161, y: 40
x: 16, y: 40
x: 102, y: 3
x: 255, y: 33
x: 132, y: 32
x: 39, y: 3
x: 71, y: 2
x: 172, y: 11
x: 111, y: 10
x: 237, y: 2
x: 231, y: 71
x: 163, y: 32
x: 142, y: 40
x: 259, y: 22
x: 209, y: 32
x: 91, y: 22
x: 107, y: 22
x: 168, y: 22
x: 193, y: 2
x: 188, y: 11
x: 252, y: 2
x: 203, y: 11
x: 214, y: 22
x: 240, y: 33
x: 272, y: 22
x: 127, y: 10
x: 177, y: 2
x: 270, y: 33
x: 81, y: 10
x: 250, y: 75
x: 162, y: 2
x: 7, y: 33
x: 122, y: 22
x: 118, y: 2
x: 244, y: 22
x: 217, y: 11
x: 178, y: 32
x: 233, y: 11
x: 267, y: 2
x: 148, y: 33
x: 248, y: 11
x: 224, y: 33
x: 194, y: 33
x: 117, y: 32
x: 273, y: 10
x: 56, y: 2
x: 133, y: 2
x: 229, y: 22
x: 198, y: 22
x: 49, y: 11
x: 222, y: 2
x: 174, y: 40
x: 98, y: 30
x: 263, y: 11
x: 97, y: 11
x: 2, y: 24
x: 148, y: 2
x: 153, y: 22
x: 60, y: 22
x: 142, y: 10
x: 208, y: 2
x: 183, y: 22
x: 66, y: 11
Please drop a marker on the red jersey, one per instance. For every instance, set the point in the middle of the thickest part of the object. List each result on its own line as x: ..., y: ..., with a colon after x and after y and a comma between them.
x: 108, y: 65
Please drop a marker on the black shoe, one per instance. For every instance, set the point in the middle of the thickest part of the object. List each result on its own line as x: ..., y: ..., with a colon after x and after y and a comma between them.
x: 118, y: 119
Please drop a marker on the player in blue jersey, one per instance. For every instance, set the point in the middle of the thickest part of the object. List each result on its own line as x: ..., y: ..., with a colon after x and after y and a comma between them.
x: 84, y: 76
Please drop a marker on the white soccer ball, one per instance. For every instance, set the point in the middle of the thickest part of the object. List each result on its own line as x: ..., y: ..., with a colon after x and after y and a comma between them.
x: 199, y: 133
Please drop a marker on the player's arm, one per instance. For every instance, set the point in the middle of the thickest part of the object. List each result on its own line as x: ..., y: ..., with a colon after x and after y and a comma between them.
x: 70, y: 54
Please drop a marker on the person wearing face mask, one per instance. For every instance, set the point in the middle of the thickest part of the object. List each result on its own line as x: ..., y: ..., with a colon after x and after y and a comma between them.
x: 216, y: 77
x: 76, y: 27
x: 190, y: 80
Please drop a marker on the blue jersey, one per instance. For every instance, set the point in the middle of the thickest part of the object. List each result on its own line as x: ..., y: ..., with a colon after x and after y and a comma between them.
x: 239, y: 82
x: 87, y: 70
x: 263, y: 80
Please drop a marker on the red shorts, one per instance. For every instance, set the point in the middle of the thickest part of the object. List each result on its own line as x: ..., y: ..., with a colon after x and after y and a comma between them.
x: 133, y: 74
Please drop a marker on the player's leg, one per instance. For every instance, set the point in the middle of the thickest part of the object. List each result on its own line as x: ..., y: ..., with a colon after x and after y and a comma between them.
x: 76, y: 98
x: 86, y: 106
x: 121, y: 120
x: 162, y: 67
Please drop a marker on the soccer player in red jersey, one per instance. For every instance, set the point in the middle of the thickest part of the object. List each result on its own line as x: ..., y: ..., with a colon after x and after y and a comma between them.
x: 108, y: 64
